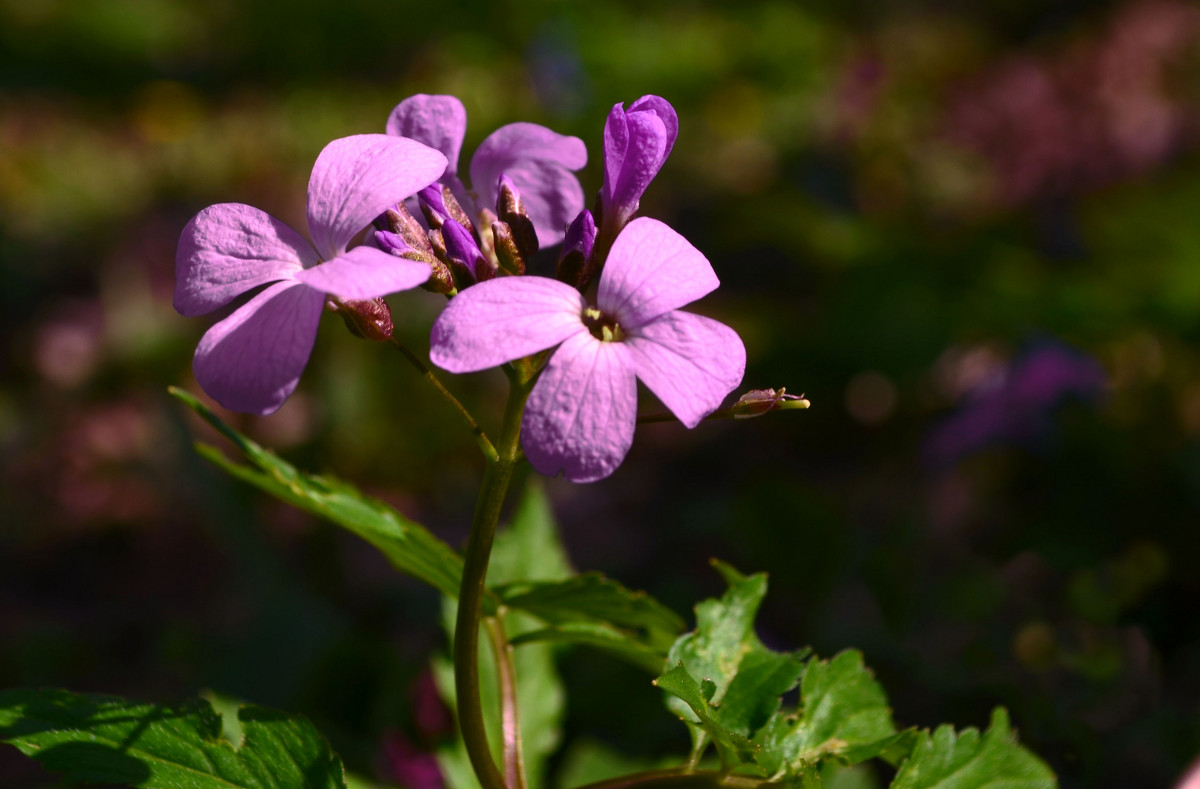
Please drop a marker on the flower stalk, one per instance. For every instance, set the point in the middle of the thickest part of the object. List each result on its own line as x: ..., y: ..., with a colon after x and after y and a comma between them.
x: 492, y: 493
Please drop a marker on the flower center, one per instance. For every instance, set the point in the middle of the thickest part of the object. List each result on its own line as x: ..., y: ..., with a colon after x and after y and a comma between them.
x: 602, y: 327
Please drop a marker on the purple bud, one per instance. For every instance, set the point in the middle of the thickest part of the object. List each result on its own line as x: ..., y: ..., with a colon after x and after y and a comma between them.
x: 368, y: 319
x: 404, y: 224
x: 511, y: 210
x: 463, y: 253
x: 432, y: 205
x: 575, y: 260
x: 636, y: 144
x: 508, y: 252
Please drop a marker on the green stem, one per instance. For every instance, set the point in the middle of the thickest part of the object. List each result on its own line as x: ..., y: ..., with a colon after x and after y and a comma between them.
x: 481, y: 438
x: 681, y: 779
x: 510, y: 723
x: 470, y: 599
x: 732, y: 412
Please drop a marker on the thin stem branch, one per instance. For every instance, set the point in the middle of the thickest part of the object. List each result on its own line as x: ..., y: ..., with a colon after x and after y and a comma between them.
x: 510, y: 724
x: 485, y: 443
x: 732, y: 412
x: 681, y: 778
x: 496, y: 480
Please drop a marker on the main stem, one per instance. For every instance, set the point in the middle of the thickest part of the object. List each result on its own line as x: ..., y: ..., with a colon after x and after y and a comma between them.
x: 496, y: 480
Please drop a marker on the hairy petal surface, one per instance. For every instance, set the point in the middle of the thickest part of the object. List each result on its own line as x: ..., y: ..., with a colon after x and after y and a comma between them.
x: 690, y: 362
x: 503, y: 319
x: 438, y: 121
x: 356, y: 178
x: 230, y: 248
x: 252, y: 360
x: 541, y: 163
x: 652, y: 270
x: 365, y: 273
x: 580, y: 416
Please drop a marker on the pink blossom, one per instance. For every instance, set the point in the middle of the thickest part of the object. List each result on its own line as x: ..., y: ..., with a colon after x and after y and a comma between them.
x: 251, y: 361
x: 540, y: 162
x: 579, y: 419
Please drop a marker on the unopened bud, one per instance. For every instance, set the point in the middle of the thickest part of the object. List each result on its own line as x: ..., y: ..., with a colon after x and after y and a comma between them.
x: 507, y: 251
x: 405, y: 225
x: 370, y: 319
x: 757, y: 402
x: 457, y: 249
x: 511, y: 210
x: 454, y: 210
x: 575, y: 259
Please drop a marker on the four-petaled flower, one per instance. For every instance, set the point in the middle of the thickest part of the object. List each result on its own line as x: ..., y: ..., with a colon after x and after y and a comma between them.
x: 251, y: 361
x: 538, y: 160
x: 580, y: 416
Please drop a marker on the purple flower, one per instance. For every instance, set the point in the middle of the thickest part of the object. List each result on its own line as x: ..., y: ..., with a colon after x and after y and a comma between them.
x: 251, y: 361
x: 1016, y: 406
x: 580, y: 416
x: 636, y: 144
x: 539, y: 161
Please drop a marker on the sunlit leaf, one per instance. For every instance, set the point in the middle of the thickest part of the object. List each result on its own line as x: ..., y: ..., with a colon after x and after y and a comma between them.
x: 111, y: 740
x: 842, y: 707
x: 969, y: 760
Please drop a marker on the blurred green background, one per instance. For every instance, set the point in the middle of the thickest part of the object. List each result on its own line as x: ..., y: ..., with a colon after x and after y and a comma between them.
x: 970, y: 235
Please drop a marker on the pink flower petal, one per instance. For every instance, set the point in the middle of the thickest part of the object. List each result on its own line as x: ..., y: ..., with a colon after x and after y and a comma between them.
x: 356, y: 178
x: 365, y: 273
x: 230, y: 248
x: 438, y: 121
x: 690, y: 362
x: 650, y: 271
x: 540, y: 162
x: 252, y: 360
x: 502, y: 319
x: 580, y: 416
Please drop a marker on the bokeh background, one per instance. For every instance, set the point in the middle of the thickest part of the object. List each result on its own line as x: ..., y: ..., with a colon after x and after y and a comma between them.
x: 969, y: 232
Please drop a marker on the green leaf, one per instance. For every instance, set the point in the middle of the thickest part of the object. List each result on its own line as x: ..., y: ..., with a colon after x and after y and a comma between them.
x: 969, y: 760
x: 734, y: 748
x: 724, y: 633
x: 408, y: 546
x: 111, y: 740
x: 600, y: 636
x: 844, y: 713
x: 593, y: 598
x: 746, y: 678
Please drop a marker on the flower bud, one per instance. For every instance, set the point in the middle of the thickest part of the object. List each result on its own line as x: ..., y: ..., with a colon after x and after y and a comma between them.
x: 757, y: 402
x: 369, y: 319
x: 405, y: 225
x: 637, y: 142
x: 508, y: 253
x: 511, y: 210
x: 575, y: 259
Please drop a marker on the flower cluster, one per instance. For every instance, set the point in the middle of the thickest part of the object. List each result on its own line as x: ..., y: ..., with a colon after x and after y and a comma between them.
x: 472, y: 243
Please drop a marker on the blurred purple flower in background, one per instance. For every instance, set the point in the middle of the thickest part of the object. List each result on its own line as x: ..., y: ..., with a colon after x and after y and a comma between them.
x: 408, y: 766
x: 251, y: 361
x: 580, y: 416
x: 1015, y: 403
x: 541, y: 162
x: 1095, y: 114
